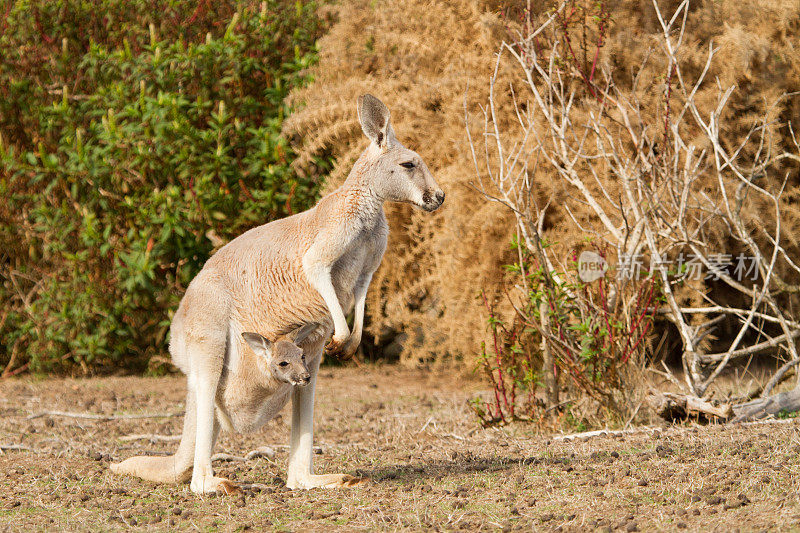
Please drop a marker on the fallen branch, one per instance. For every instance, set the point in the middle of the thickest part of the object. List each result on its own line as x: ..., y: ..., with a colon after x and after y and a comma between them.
x: 14, y: 447
x: 152, y: 437
x: 95, y: 416
x: 768, y: 421
x: 780, y: 375
x: 264, y: 451
x: 787, y: 402
x: 226, y: 457
x: 427, y: 423
x: 605, y: 433
x: 771, y: 343
x: 672, y: 406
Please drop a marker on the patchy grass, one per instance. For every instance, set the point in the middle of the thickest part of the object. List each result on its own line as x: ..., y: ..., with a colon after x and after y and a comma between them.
x: 449, y: 475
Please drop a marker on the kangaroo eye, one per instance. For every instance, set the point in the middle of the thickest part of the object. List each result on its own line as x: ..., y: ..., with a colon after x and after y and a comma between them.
x: 283, y: 363
x: 303, y: 357
x: 407, y: 164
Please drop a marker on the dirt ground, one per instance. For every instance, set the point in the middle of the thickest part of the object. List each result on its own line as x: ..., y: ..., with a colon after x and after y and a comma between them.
x: 412, y: 434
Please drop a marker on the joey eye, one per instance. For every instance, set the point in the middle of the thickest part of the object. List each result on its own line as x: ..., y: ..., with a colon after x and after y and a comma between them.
x: 283, y: 363
x: 303, y: 357
x: 407, y: 164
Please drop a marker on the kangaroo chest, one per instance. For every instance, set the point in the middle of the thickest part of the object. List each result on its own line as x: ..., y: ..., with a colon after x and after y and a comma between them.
x: 361, y: 257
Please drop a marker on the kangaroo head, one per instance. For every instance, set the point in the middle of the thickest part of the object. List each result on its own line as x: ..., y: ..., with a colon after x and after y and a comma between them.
x: 283, y: 359
x: 395, y: 173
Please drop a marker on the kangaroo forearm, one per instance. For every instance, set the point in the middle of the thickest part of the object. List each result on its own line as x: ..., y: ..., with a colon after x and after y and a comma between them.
x: 360, y: 296
x: 320, y: 279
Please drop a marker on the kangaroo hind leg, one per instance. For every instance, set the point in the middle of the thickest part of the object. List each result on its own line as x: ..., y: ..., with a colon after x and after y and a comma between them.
x: 208, y: 355
x: 300, y: 473
x: 172, y: 469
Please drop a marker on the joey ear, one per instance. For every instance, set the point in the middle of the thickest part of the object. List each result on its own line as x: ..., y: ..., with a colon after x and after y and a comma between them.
x: 260, y: 344
x: 374, y: 118
x: 299, y: 335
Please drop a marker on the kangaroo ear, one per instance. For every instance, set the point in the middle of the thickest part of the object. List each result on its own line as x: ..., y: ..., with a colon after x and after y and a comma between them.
x: 299, y: 335
x: 374, y: 118
x: 260, y: 344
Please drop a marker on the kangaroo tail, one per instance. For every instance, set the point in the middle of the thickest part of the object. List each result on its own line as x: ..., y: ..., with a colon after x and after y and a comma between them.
x: 171, y: 469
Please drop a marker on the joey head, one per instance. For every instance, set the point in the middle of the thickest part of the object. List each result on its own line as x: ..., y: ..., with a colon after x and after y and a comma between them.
x: 282, y: 359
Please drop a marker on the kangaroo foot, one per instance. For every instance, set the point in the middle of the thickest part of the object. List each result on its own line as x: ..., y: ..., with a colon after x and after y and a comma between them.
x: 211, y: 485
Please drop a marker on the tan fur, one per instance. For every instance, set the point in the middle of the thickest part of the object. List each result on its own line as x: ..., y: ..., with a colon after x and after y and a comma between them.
x: 309, y: 268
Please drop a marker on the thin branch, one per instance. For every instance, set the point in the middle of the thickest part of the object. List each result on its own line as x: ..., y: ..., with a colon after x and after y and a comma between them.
x: 152, y: 437
x: 96, y: 416
x: 15, y: 447
x: 771, y: 343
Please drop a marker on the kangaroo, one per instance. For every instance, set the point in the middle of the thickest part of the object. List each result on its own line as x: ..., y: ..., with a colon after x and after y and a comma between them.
x: 265, y: 370
x: 309, y: 268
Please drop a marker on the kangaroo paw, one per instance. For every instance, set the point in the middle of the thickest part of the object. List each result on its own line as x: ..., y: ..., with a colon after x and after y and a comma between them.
x: 335, y: 348
x: 343, y: 350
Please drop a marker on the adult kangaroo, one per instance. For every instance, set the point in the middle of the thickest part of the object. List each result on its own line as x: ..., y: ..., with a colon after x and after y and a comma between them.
x: 308, y: 268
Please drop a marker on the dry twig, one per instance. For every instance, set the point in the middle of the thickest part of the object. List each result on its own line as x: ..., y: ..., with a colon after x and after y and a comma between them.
x: 14, y: 447
x: 97, y: 416
x: 152, y: 437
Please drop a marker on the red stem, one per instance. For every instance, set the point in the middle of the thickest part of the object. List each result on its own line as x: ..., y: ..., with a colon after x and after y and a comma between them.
x: 600, y: 30
x: 246, y: 190
x: 194, y: 194
x: 5, y: 17
x: 38, y: 23
x: 200, y: 8
x: 645, y: 329
x: 488, y: 368
x: 288, y: 205
x: 500, y: 381
x: 604, y: 300
x: 626, y: 352
x: 512, y: 338
x: 582, y: 72
x: 16, y: 371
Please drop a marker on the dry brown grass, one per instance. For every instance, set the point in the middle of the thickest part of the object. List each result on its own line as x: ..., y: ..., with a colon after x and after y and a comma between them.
x: 413, y: 434
x: 425, y: 58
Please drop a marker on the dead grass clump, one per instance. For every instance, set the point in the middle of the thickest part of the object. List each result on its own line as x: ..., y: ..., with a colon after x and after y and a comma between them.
x: 419, y: 57
x: 428, y: 58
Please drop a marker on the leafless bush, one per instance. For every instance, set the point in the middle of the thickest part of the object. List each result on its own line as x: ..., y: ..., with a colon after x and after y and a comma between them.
x: 670, y: 198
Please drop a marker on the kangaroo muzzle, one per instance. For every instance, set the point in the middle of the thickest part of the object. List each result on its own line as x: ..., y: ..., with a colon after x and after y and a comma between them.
x: 432, y: 200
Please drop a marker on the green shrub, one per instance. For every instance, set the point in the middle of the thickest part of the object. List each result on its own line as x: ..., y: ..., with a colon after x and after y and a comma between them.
x: 136, y: 137
x: 573, y: 351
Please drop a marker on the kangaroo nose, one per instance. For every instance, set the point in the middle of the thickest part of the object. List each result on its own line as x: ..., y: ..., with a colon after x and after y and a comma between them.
x: 440, y: 197
x: 306, y: 378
